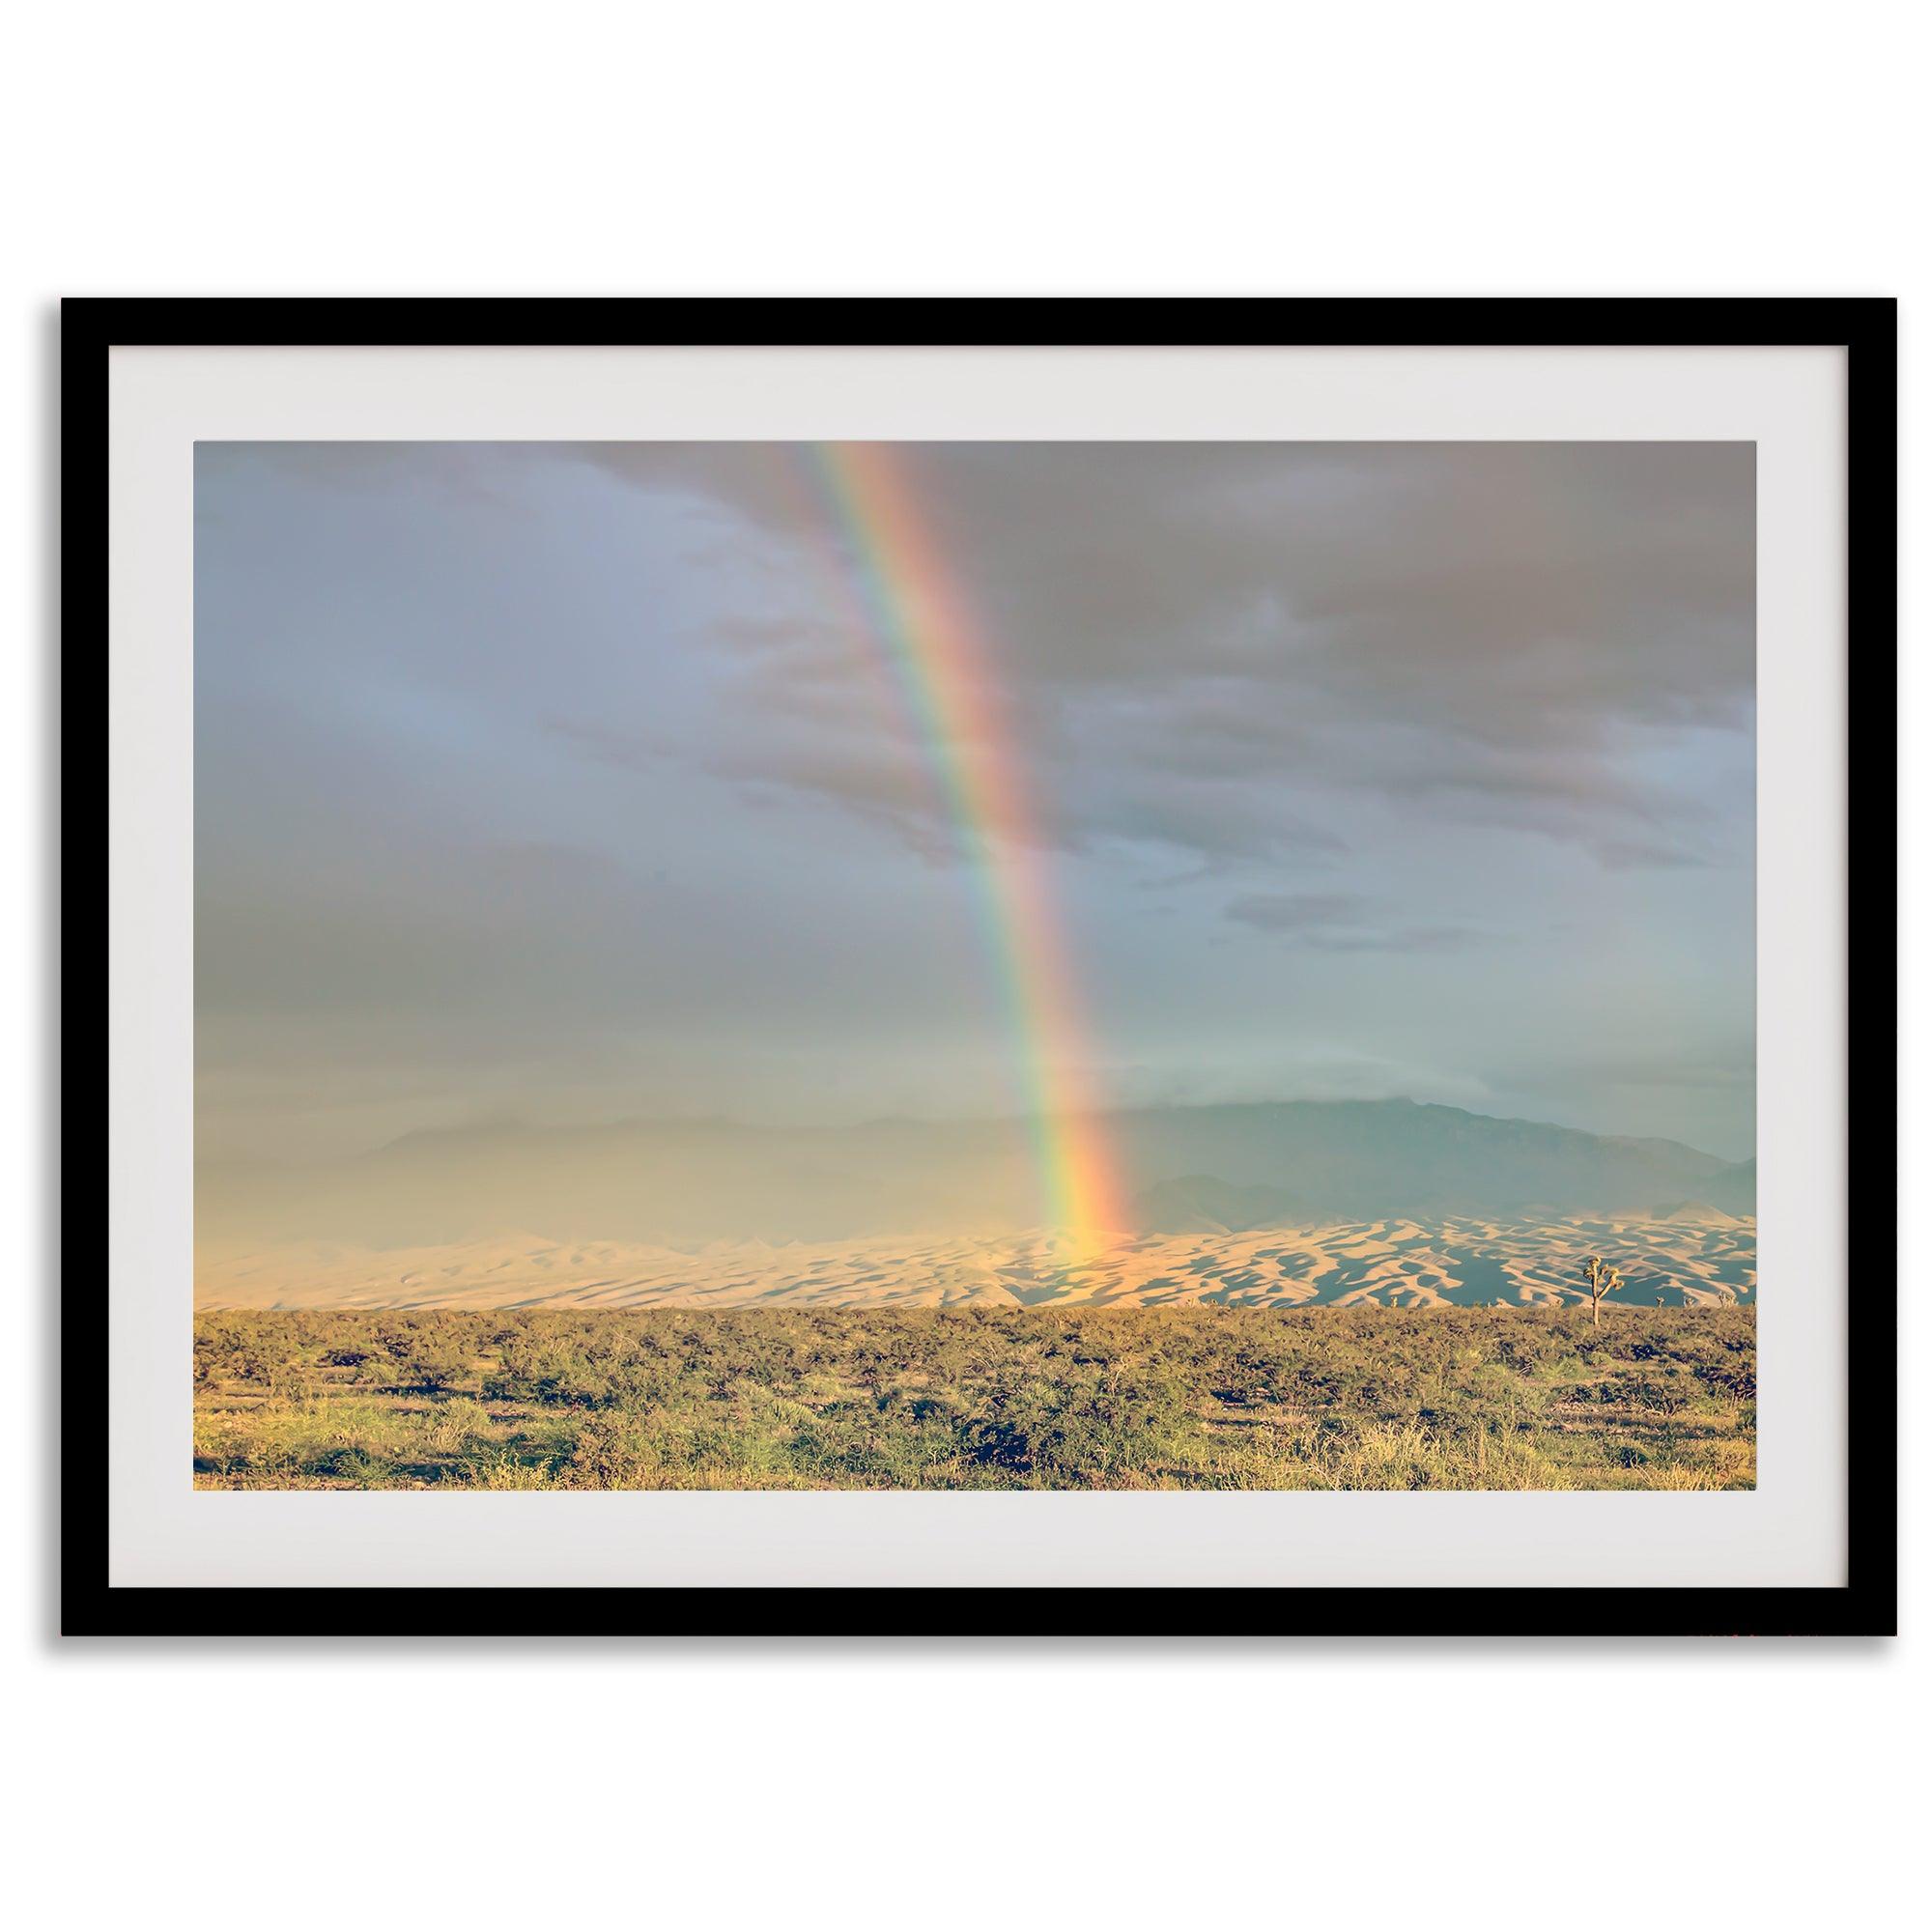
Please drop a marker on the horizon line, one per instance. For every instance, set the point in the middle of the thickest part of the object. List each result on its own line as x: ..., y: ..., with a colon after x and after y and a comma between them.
x: 613, y: 1123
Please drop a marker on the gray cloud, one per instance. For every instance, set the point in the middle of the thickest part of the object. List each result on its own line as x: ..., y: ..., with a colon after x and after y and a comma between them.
x: 1342, y: 923
x: 1205, y: 645
x: 1296, y: 913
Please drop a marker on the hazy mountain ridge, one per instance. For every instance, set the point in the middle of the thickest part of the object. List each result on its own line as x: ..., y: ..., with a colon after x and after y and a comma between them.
x: 1294, y: 1163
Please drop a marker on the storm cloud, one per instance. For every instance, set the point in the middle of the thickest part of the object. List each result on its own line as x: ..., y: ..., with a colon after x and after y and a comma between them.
x: 1194, y: 637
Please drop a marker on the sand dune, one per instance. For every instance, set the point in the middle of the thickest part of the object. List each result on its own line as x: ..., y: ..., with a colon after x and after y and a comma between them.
x: 1680, y: 1258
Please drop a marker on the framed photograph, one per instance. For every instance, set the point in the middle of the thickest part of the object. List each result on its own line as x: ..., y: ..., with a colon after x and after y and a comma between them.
x: 838, y: 965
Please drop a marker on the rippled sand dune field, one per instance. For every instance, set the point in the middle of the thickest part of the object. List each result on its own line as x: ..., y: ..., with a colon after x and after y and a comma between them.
x: 1700, y: 1256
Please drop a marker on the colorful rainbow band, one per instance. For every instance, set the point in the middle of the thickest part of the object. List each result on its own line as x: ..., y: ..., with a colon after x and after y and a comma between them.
x: 940, y: 662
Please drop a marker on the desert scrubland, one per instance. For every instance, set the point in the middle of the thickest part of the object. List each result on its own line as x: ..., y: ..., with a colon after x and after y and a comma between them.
x: 984, y: 1397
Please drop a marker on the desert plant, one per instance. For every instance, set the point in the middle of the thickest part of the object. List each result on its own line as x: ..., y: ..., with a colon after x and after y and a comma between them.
x: 432, y: 1368
x: 1602, y: 1279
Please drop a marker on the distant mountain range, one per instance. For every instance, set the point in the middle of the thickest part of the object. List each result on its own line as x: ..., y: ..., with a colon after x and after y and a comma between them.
x: 1312, y: 1162
x: 1188, y: 1168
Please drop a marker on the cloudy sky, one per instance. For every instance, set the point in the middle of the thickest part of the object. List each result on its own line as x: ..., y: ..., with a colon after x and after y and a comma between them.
x: 552, y: 784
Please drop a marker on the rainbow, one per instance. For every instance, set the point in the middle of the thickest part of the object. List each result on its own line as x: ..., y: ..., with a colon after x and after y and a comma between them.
x: 938, y: 656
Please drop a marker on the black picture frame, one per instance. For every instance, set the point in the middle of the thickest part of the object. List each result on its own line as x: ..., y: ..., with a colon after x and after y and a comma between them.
x: 1865, y: 328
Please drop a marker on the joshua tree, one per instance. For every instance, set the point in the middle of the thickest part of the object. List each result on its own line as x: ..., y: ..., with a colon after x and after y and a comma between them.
x: 1600, y: 1279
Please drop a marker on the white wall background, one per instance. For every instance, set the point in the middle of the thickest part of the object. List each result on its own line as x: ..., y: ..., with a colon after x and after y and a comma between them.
x: 998, y: 149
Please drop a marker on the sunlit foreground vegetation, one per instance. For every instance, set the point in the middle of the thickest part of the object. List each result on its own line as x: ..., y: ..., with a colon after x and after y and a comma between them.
x: 1082, y: 1398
